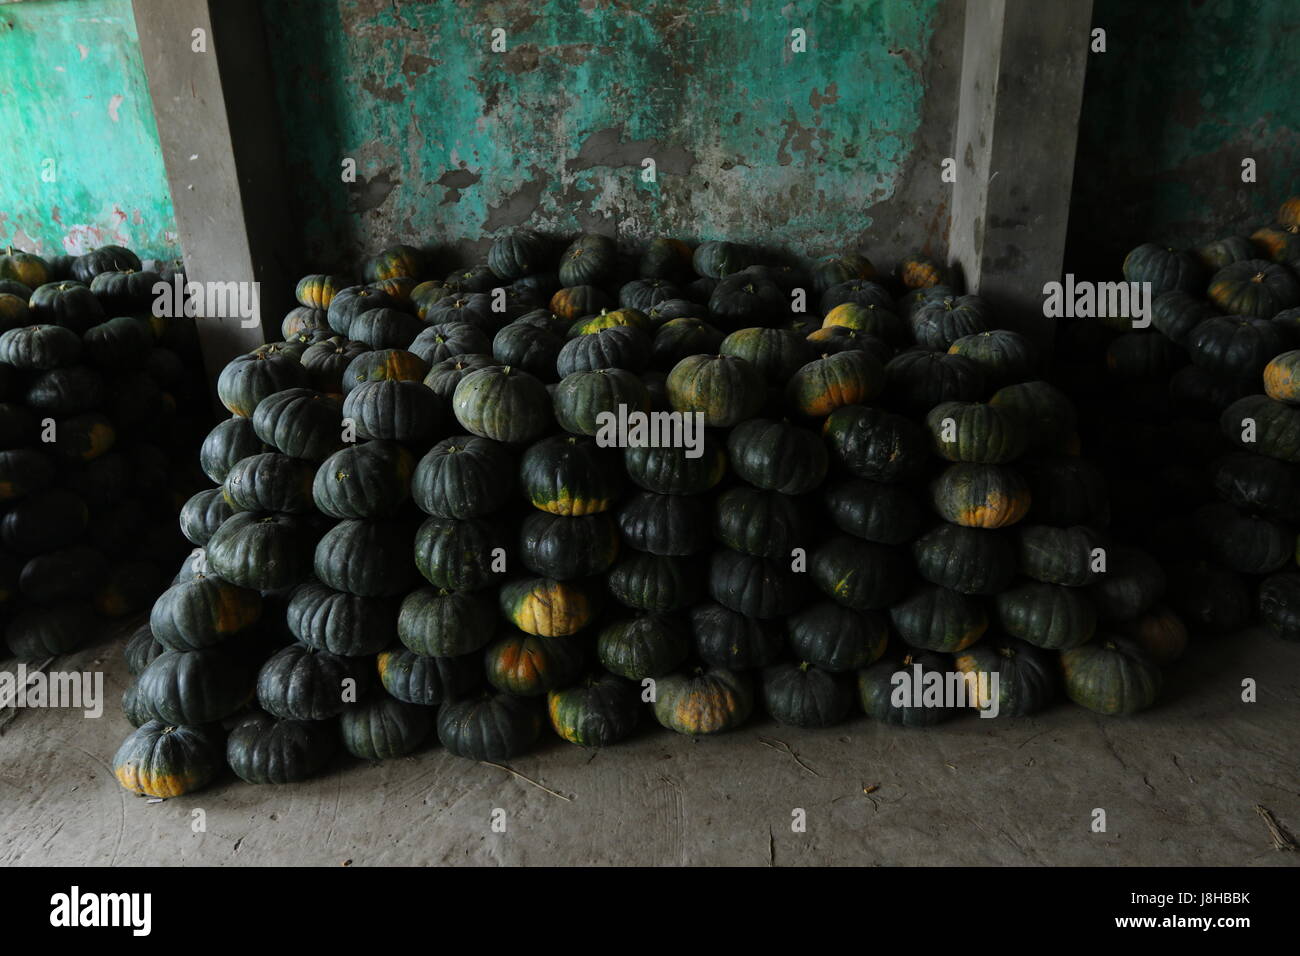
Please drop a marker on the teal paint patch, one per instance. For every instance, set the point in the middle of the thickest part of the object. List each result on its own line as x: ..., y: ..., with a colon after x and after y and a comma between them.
x: 74, y: 101
x: 1179, y: 99
x: 751, y: 141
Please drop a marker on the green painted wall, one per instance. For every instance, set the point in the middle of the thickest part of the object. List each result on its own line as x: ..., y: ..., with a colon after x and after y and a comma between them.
x: 72, y: 90
x: 1185, y: 91
x: 752, y: 141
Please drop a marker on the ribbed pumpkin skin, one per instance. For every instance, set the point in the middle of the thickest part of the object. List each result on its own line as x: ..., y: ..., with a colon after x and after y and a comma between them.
x: 582, y: 397
x: 588, y: 260
x: 837, y: 638
x: 140, y: 650
x: 1111, y: 675
x: 1059, y: 555
x: 652, y: 582
x: 458, y: 553
x: 1133, y: 582
x: 346, y: 304
x: 1049, y: 616
x: 491, y: 727
x: 969, y: 560
x: 1177, y: 314
x: 248, y: 379
x: 917, y: 380
x: 302, y: 683
x: 428, y: 681
x: 202, y: 514
x: 300, y: 423
x: 562, y: 547
x: 270, y: 482
x: 727, y: 639
x: 263, y: 552
x: 876, y: 689
x: 383, y: 365
x: 385, y: 328
x: 1164, y: 268
x: 1279, y: 604
x: 1066, y: 491
x: 870, y: 319
x: 1248, y: 544
x: 370, y: 480
x: 165, y: 761
x: 670, y: 525
x: 718, y: 258
x: 623, y: 346
x: 876, y: 444
x: 569, y: 475
x: 777, y: 456
x: 443, y: 623
x: 39, y: 347
x: 858, y: 291
x: 227, y: 443
x: 518, y: 253
x: 263, y: 750
x: 938, y: 323
x: 935, y: 618
x: 1254, y: 288
x: 529, y: 666
x: 975, y: 432
x: 547, y: 607
x: 503, y: 404
x: 369, y: 557
x: 596, y: 712
x: 338, y: 622
x: 726, y: 390
x: 1276, y: 427
x: 767, y: 524
x: 1235, y: 346
x: 1005, y: 357
x: 69, y: 574
x: 201, y: 612
x: 35, y: 633
x: 463, y: 477
x: 669, y: 471
x: 194, y: 687
x: 702, y: 702
x: 801, y: 695
x: 1161, y: 633
x: 752, y: 586
x: 526, y: 347
x: 396, y: 411
x: 680, y: 337
x: 981, y: 496
x: 833, y: 381
x: 859, y: 574
x: 648, y: 646
x: 434, y: 343
x: 384, y: 728
x: 1282, y: 378
x: 317, y: 291
x: 1047, y: 412
x: 1028, y: 677
x: 67, y: 304
x: 775, y: 354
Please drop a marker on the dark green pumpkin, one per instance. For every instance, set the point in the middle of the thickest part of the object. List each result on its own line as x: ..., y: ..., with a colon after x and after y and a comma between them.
x: 1132, y: 583
x: 463, y: 477
x: 562, y: 547
x: 383, y: 365
x: 326, y: 362
x: 141, y: 648
x: 369, y: 557
x: 876, y: 444
x: 1111, y: 675
x: 753, y: 586
x: 263, y: 750
x: 645, y: 293
x: 1245, y: 543
x: 68, y: 304
x: 1066, y: 491
x: 1218, y: 253
x: 459, y: 553
x: 1028, y: 677
x: 859, y: 574
x: 45, y: 521
x: 1164, y: 268
x: 518, y: 253
x: 803, y: 695
x: 980, y: 496
x: 201, y: 612
x: 39, y: 347
x: 437, y: 622
x: 674, y: 471
x: 398, y: 260
x: 728, y: 639
x: 526, y: 347
x: 65, y: 391
x: 872, y: 319
x: 338, y: 622
x: 471, y: 308
x: 775, y: 354
x: 489, y: 726
x: 1263, y: 426
x: 527, y: 665
x: 837, y: 638
x: 969, y: 560
x: 434, y: 343
x: 1048, y: 414
x: 715, y: 259
x: 651, y: 645
x: 471, y: 280
x: 918, y: 380
x: 652, y: 582
x: 1177, y: 314
x: 265, y: 552
x: 270, y: 482
x: 194, y: 687
x: 503, y: 404
x: 885, y: 513
x: 1253, y: 287
x: 228, y: 442
x: 745, y: 298
x: 935, y: 618
x: 396, y: 411
x: 588, y: 260
x: 384, y: 728
x: 680, y: 337
x: 1279, y: 604
x: 665, y: 258
x: 885, y: 700
x: 447, y: 374
x: 1255, y: 483
x: 938, y: 323
x: 700, y: 701
x: 584, y: 401
x: 346, y: 304
x: 777, y: 456
x: 855, y: 291
x: 671, y: 525
x: 119, y: 343
x: 370, y: 480
x: 300, y: 682
x: 1049, y: 616
x: 1005, y: 357
x: 976, y: 432
x: 248, y: 379
x: 595, y: 712
x: 834, y: 381
x: 1055, y: 555
x: 621, y: 346
x: 725, y: 389
x: 428, y: 681
x: 163, y: 760
x: 1235, y: 346
x: 767, y: 524
x: 35, y: 633
x: 569, y: 475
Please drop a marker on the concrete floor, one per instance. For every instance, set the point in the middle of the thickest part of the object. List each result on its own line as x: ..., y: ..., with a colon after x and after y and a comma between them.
x: 1179, y: 786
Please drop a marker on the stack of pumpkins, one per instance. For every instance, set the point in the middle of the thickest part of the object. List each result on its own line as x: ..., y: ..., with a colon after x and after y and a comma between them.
x: 1201, y: 464
x: 850, y: 505
x: 96, y: 403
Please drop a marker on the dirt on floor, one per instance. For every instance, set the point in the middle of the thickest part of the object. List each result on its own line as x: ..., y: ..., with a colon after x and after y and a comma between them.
x: 1182, y: 784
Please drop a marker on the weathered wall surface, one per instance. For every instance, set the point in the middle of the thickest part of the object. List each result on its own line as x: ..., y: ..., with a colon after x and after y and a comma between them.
x: 838, y: 146
x: 72, y: 91
x: 1181, y: 96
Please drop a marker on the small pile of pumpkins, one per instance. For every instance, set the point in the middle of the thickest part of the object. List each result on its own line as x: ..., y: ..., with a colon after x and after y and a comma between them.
x: 420, y: 524
x: 96, y: 404
x: 1196, y: 424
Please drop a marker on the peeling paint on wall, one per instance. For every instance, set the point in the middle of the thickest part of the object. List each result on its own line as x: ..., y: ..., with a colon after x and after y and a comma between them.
x: 82, y: 165
x: 1169, y: 112
x: 751, y: 140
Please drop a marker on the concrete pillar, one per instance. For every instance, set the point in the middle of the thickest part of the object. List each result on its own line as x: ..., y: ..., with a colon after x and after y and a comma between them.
x: 217, y: 128
x: 1022, y: 78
